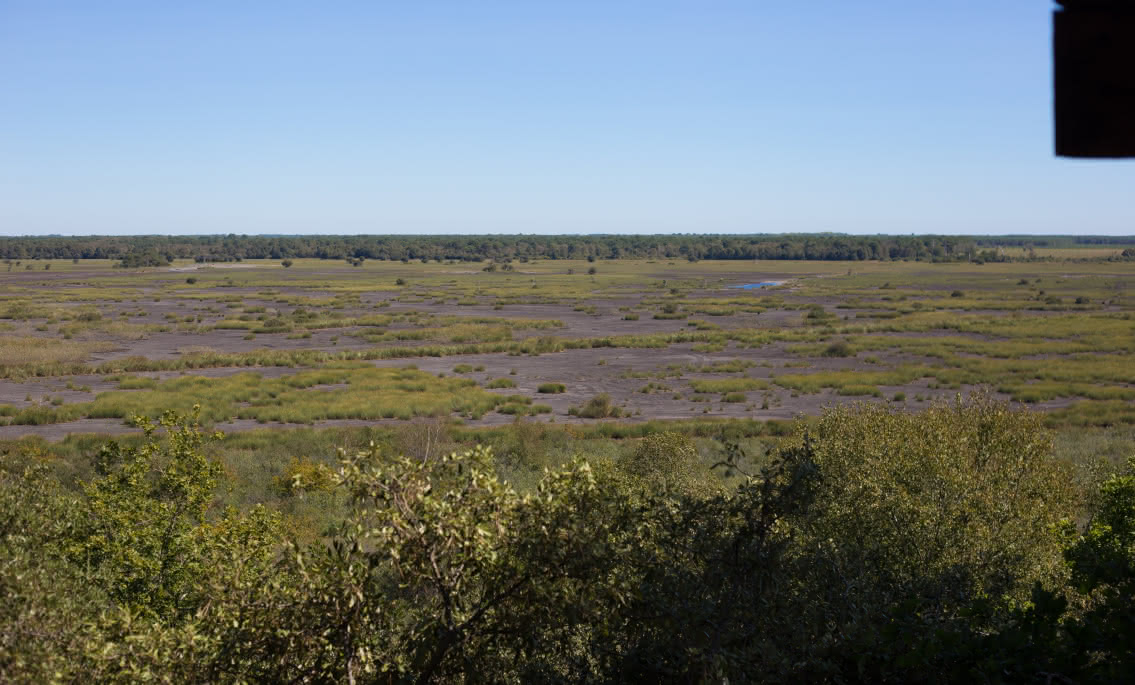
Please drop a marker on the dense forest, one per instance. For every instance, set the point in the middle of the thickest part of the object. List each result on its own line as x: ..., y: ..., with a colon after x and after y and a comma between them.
x: 875, y: 545
x: 151, y: 250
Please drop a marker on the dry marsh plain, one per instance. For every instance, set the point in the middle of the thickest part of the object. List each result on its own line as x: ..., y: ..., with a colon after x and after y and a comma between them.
x: 324, y: 342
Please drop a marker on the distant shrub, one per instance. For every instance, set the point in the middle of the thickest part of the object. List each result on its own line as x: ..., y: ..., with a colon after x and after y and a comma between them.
x: 957, y: 293
x: 551, y: 388
x: 501, y: 383
x: 630, y: 317
x: 191, y: 280
x: 734, y: 397
x: 463, y: 368
x: 598, y: 407
x: 899, y: 397
x: 817, y: 312
x: 839, y: 348
x: 287, y: 263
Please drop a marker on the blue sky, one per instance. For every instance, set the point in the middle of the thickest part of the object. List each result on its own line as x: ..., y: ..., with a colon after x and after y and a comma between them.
x: 539, y: 117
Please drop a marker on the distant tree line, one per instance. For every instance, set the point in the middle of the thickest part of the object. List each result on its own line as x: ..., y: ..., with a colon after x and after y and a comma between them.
x: 155, y: 250
x: 1053, y: 241
x: 478, y: 248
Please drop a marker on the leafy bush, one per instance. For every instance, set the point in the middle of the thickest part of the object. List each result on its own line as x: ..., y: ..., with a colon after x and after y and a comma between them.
x: 551, y: 388
x: 667, y: 464
x: 874, y: 545
x: 950, y: 506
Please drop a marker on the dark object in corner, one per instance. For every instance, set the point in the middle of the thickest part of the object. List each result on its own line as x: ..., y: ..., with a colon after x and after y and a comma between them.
x: 1093, y: 49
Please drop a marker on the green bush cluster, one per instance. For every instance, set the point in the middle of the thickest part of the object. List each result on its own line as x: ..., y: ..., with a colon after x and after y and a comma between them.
x: 874, y: 545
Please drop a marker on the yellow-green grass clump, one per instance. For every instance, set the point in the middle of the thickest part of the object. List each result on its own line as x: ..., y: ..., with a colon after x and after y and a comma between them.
x: 728, y: 385
x: 20, y: 350
x: 336, y: 391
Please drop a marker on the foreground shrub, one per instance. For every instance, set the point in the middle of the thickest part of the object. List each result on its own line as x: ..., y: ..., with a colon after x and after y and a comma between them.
x: 873, y: 546
x: 929, y: 515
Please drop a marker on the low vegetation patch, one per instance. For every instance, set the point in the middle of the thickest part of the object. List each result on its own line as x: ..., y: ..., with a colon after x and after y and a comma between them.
x: 598, y: 407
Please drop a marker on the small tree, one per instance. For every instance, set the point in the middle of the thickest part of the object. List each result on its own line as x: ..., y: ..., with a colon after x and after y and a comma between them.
x: 146, y: 534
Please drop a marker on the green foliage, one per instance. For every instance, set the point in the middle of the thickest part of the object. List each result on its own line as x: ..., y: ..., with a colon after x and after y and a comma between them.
x: 963, y: 495
x: 138, y: 258
x: 873, y: 545
x: 503, y: 248
x: 924, y: 519
x: 551, y: 388
x: 302, y: 476
x: 144, y: 527
x: 1102, y: 561
x: 667, y: 465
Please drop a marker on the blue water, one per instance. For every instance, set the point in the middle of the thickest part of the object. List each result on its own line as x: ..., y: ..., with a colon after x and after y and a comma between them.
x: 754, y: 286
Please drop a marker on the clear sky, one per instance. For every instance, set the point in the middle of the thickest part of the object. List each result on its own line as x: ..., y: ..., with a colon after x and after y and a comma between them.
x: 474, y: 116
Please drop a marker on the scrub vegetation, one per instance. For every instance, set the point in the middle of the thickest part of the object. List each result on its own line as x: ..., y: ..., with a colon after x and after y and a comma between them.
x: 860, y: 538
